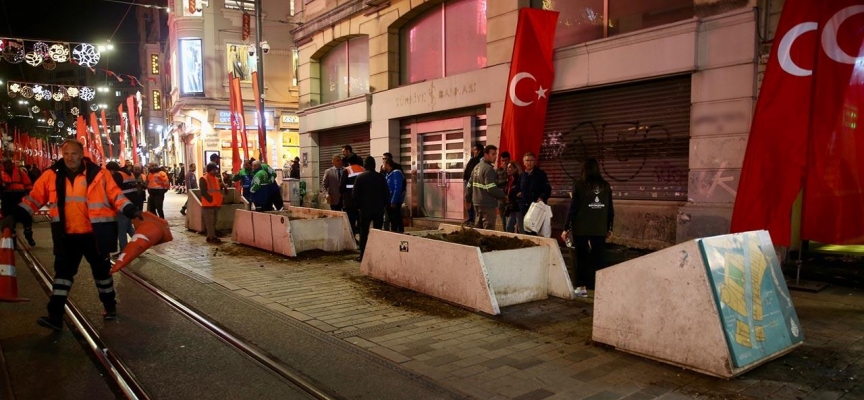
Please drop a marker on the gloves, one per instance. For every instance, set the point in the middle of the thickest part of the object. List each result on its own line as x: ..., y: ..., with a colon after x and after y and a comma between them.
x: 130, y: 211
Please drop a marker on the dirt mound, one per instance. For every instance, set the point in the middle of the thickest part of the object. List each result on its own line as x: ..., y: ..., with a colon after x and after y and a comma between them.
x: 471, y: 237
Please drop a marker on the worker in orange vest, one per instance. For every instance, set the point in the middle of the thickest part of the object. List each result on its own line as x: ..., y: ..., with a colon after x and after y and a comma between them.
x: 211, y: 200
x: 83, y: 202
x: 16, y: 184
x: 157, y: 186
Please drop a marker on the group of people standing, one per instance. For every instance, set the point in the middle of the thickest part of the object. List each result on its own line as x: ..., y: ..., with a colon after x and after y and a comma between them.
x: 367, y: 196
x: 509, y: 191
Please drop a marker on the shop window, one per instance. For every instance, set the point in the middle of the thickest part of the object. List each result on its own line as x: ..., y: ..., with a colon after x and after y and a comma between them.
x: 446, y: 40
x: 585, y: 20
x: 240, y: 63
x: 345, y: 70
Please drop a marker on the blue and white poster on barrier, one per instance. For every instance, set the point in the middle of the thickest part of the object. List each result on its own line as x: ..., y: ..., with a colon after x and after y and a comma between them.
x: 755, y: 306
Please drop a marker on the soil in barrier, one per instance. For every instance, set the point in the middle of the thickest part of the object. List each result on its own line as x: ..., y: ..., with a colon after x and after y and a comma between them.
x: 471, y: 237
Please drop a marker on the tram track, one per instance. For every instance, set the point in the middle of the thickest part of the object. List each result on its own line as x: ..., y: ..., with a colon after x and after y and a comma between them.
x: 119, y: 372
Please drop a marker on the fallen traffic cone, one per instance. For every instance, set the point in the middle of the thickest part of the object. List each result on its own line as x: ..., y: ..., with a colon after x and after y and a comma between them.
x: 149, y: 232
x: 8, y: 277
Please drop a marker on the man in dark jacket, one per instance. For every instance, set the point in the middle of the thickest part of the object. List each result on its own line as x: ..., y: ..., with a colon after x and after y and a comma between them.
x: 346, y: 188
x: 476, y: 156
x: 371, y: 196
x: 534, y: 184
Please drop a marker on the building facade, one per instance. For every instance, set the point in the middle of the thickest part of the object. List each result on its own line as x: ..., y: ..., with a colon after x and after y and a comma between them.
x: 661, y: 93
x: 204, y: 45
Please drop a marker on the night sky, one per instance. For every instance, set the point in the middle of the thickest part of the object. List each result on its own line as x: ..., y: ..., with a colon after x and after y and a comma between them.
x: 90, y: 21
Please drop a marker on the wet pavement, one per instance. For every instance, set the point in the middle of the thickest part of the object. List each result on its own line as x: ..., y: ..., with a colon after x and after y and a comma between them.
x: 297, y: 307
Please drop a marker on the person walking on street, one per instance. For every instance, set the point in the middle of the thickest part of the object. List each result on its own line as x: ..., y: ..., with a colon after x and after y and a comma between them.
x: 503, y: 177
x: 157, y: 186
x: 533, y: 186
x: 512, y: 215
x: 476, y: 156
x: 16, y: 184
x: 245, y: 178
x: 181, y: 179
x: 129, y: 187
x: 83, y: 201
x: 483, y: 191
x: 396, y: 184
x: 589, y: 220
x: 211, y: 201
x: 295, y: 168
x: 330, y: 184
x: 346, y: 189
x: 191, y: 184
x: 371, y: 196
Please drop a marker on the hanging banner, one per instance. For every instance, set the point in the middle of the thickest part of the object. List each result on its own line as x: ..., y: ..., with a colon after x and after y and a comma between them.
x: 247, y: 27
x: 81, y: 132
x: 531, y: 75
x: 133, y: 127
x: 122, y: 155
x: 235, y: 151
x: 95, y: 138
x: 107, y: 136
x: 240, y: 113
x: 262, y: 132
x: 796, y: 142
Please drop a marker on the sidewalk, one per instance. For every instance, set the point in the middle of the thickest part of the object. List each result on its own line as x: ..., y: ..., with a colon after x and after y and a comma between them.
x: 532, y: 351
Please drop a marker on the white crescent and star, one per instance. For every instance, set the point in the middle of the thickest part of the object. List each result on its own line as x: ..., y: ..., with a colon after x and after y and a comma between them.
x: 541, y: 92
x: 829, y: 41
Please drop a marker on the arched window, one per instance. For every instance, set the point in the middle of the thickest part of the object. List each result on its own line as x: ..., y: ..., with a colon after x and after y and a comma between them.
x: 446, y: 40
x: 345, y: 70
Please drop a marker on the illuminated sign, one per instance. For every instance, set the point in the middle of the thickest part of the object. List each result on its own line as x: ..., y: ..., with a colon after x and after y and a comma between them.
x: 290, y: 119
x: 223, y: 119
x: 154, y: 64
x: 157, y: 100
x: 191, y: 70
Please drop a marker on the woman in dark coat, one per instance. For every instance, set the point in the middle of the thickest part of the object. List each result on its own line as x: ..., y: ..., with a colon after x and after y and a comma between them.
x: 589, y: 221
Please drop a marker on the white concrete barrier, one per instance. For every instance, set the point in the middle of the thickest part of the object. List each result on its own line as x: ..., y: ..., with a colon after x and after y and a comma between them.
x: 463, y: 275
x: 231, y: 201
x: 716, y: 305
x: 294, y: 230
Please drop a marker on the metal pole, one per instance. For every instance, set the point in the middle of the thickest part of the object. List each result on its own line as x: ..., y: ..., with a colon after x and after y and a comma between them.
x: 262, y: 135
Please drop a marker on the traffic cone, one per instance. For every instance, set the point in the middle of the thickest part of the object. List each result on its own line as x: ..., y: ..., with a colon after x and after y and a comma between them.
x: 149, y: 232
x: 8, y: 277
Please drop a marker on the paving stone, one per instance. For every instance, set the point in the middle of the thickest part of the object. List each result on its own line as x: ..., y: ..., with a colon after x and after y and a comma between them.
x: 389, y: 354
x: 445, y: 359
x: 536, y: 394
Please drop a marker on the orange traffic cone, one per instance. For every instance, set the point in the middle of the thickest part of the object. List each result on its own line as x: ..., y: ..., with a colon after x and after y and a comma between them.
x: 8, y: 277
x: 149, y: 232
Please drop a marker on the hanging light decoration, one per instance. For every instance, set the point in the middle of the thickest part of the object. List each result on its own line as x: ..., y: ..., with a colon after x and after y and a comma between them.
x: 72, y: 92
x: 35, y: 109
x: 15, y: 88
x: 33, y: 59
x: 74, y: 111
x: 27, y: 92
x: 86, y: 55
x: 59, y: 52
x: 87, y: 94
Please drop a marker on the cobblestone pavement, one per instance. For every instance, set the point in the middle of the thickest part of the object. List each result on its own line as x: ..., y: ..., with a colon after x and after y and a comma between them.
x: 540, y: 350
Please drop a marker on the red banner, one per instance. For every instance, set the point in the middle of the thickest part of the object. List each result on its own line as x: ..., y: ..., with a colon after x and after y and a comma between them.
x: 133, y: 127
x: 240, y: 112
x: 191, y: 7
x: 94, y: 139
x: 235, y: 150
x: 247, y: 27
x: 796, y: 142
x: 81, y: 131
x: 107, y: 136
x: 262, y: 129
x: 122, y: 155
x: 531, y: 75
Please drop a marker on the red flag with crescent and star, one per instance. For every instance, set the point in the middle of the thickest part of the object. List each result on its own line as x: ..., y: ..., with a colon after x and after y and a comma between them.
x: 805, y: 132
x: 531, y: 75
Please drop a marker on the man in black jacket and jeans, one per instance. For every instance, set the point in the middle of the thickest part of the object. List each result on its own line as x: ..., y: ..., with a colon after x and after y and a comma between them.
x: 371, y: 196
x: 476, y: 156
x: 534, y: 186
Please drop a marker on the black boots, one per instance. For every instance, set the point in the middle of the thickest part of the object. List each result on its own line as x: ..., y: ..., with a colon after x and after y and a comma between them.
x: 51, y: 322
x: 28, y: 234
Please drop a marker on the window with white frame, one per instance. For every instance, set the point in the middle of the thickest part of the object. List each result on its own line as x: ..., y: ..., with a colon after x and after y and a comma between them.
x: 581, y: 21
x: 243, y: 5
x: 448, y: 39
x: 345, y: 70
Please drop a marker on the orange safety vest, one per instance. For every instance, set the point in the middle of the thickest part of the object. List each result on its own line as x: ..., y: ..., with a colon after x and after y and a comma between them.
x: 129, y: 184
x: 18, y: 182
x: 158, y: 180
x: 215, y: 191
x: 83, y: 204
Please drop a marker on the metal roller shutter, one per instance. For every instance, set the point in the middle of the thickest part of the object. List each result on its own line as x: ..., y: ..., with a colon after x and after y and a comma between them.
x: 639, y: 132
x: 330, y: 142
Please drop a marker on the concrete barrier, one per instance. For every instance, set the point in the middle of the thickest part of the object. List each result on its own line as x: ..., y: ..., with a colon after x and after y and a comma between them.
x: 716, y: 305
x: 294, y: 230
x: 231, y: 201
x: 463, y: 275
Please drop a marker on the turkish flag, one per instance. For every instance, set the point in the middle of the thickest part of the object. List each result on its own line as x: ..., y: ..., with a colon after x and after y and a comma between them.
x: 531, y: 75
x: 240, y: 116
x: 95, y: 138
x: 81, y: 131
x: 107, y: 136
x: 133, y: 127
x: 235, y: 149
x: 122, y: 155
x: 801, y: 129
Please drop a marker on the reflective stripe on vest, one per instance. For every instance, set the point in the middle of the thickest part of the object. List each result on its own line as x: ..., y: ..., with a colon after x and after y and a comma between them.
x: 15, y: 183
x: 215, y: 191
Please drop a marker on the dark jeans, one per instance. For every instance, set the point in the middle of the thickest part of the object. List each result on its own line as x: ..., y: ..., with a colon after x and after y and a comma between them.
x: 394, y: 219
x: 376, y: 220
x: 353, y: 216
x: 154, y: 205
x: 588, y: 260
x: 66, y: 267
x: 8, y: 202
x: 276, y: 197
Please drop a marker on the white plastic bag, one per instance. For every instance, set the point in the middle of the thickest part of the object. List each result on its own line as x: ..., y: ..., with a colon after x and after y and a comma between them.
x: 538, y: 214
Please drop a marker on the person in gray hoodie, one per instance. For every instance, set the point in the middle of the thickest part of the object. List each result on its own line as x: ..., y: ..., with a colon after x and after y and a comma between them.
x: 483, y: 191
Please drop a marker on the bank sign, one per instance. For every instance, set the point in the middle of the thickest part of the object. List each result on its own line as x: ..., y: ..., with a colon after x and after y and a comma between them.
x: 223, y: 119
